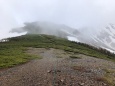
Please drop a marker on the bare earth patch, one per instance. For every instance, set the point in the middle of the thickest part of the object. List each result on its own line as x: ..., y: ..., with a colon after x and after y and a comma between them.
x: 56, y: 68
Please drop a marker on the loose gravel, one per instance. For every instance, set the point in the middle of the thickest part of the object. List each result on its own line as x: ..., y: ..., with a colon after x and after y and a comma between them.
x: 56, y: 68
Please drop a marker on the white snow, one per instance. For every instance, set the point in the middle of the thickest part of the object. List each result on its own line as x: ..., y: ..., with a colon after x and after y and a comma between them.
x: 70, y: 38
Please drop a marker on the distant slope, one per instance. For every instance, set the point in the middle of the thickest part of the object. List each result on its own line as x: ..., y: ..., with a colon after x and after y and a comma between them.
x: 13, y: 51
x: 35, y: 40
x: 105, y: 38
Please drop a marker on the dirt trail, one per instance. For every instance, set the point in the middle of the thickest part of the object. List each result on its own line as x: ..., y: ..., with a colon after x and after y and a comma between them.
x: 56, y: 68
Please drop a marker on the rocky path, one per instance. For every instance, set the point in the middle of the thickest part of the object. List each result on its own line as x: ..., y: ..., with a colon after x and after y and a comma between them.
x: 56, y: 68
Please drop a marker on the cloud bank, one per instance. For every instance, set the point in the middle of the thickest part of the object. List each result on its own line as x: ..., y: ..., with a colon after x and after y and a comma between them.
x: 74, y: 13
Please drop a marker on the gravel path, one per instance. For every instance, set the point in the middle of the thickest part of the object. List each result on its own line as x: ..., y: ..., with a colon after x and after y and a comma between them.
x: 56, y: 68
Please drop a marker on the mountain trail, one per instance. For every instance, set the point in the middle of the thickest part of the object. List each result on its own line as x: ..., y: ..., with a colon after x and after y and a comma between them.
x: 56, y: 68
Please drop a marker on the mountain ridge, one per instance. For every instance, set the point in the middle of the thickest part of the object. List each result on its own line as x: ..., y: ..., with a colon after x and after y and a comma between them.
x: 104, y: 39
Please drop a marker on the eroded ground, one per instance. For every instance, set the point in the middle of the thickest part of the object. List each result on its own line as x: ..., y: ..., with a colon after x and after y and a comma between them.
x: 56, y: 68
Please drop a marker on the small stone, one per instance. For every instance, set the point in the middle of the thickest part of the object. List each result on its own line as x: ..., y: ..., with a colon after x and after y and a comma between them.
x: 39, y: 83
x: 44, y: 80
x: 81, y: 84
x: 62, y: 80
x: 49, y: 71
x: 104, y: 84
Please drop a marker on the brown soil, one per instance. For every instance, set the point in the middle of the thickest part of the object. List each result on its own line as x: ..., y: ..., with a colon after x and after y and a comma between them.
x: 56, y: 68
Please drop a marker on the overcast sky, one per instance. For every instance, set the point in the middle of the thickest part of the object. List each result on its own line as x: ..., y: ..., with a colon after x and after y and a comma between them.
x: 74, y: 13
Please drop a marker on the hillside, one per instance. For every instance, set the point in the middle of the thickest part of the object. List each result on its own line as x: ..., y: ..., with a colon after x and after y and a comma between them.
x: 14, y: 49
x: 104, y: 38
x: 54, y: 61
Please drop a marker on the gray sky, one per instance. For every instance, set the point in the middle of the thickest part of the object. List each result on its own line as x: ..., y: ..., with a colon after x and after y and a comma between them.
x: 74, y: 13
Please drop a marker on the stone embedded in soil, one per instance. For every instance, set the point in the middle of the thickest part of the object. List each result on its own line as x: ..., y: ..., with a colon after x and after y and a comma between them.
x: 81, y: 84
x: 62, y: 80
x: 49, y: 71
x: 104, y: 84
x: 67, y: 72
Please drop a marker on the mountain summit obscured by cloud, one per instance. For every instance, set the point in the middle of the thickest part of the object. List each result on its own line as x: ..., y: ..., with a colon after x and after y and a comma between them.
x: 74, y: 13
x: 92, y: 14
x: 105, y: 38
x: 47, y: 28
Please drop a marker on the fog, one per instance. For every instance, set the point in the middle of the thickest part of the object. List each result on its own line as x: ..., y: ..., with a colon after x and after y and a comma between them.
x: 92, y: 14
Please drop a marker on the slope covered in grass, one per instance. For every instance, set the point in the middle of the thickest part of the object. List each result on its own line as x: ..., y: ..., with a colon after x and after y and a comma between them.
x: 13, y: 52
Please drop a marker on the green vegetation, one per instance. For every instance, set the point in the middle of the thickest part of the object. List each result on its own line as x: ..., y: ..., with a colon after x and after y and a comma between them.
x: 13, y: 52
x: 109, y: 76
x: 12, y: 55
x: 75, y: 57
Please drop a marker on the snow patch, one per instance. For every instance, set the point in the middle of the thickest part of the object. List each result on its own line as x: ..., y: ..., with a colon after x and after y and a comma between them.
x: 70, y: 38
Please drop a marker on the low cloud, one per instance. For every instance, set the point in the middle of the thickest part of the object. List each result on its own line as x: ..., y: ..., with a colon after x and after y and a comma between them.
x: 74, y: 13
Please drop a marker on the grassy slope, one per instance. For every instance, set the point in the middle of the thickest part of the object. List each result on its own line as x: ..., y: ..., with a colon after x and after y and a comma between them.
x: 13, y: 52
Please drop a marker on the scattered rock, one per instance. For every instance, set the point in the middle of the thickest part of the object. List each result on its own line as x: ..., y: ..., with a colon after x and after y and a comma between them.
x: 49, y: 71
x: 62, y: 80
x: 81, y: 74
x: 104, y: 84
x: 81, y: 84
x: 39, y: 83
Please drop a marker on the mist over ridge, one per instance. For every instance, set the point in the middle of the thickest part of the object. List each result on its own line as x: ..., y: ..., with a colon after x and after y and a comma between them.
x: 73, y: 13
x: 105, y: 38
x: 48, y: 28
x: 81, y: 20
